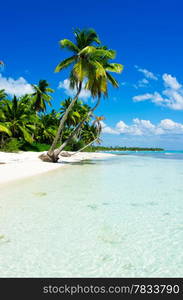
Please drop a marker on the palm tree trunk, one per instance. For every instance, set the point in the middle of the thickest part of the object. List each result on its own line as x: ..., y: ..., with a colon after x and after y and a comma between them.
x: 61, y: 136
x: 51, y: 156
x: 76, y: 130
x: 62, y: 121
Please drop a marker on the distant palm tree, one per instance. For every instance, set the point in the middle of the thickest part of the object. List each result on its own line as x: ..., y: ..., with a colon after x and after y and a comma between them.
x: 91, y: 134
x: 97, y: 124
x: 73, y: 116
x: 41, y: 97
x: 76, y: 114
x: 47, y: 127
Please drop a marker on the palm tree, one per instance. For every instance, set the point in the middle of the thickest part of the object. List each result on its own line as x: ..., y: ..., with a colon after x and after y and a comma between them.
x: 80, y: 70
x: 87, y: 64
x: 18, y: 118
x: 40, y: 97
x: 97, y: 124
x: 98, y: 87
x: 47, y: 127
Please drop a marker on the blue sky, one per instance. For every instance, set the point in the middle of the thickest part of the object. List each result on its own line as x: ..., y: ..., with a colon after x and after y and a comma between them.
x: 147, y: 108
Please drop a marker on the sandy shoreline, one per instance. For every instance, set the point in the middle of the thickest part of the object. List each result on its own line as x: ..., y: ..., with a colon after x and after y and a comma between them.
x: 14, y: 166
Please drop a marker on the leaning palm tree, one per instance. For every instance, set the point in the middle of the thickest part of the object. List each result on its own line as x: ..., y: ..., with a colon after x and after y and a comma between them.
x: 80, y: 69
x: 40, y: 97
x: 85, y: 66
x: 88, y: 69
x: 98, y: 87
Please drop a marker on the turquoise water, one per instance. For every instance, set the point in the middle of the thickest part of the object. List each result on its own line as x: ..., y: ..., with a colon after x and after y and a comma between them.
x: 120, y: 217
x: 159, y: 154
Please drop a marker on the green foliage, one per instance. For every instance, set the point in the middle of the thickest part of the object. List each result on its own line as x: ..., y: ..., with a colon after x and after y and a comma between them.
x: 90, y: 62
x: 40, y: 97
x: 77, y: 145
x: 12, y: 145
x: 24, y: 122
x: 18, y: 118
x: 74, y: 145
x: 47, y: 127
x: 78, y: 112
x: 35, y: 147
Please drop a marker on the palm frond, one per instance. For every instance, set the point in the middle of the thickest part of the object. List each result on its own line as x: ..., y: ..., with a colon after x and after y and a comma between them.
x: 26, y: 134
x: 5, y: 130
x: 113, y: 67
x: 99, y: 69
x: 104, y: 53
x: 87, y: 50
x: 112, y: 80
x: 65, y: 63
x: 49, y: 90
x: 69, y: 45
x: 79, y: 71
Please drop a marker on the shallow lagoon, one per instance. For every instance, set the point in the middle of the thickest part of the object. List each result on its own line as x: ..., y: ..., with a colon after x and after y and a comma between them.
x: 120, y: 217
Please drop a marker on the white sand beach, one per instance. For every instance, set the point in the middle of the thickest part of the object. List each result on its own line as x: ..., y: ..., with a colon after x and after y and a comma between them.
x: 20, y: 165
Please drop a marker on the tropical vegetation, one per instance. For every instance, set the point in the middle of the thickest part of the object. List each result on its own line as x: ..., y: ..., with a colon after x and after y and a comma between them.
x: 118, y: 148
x: 27, y: 122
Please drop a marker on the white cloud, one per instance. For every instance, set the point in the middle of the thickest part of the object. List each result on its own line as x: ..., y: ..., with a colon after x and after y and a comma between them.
x: 155, y: 98
x: 66, y: 86
x: 171, y: 126
x: 18, y: 87
x: 140, y: 127
x: 143, y: 97
x: 173, y: 92
x: 107, y: 129
x: 174, y: 99
x: 171, y: 82
x: 144, y: 123
x: 122, y: 127
x: 146, y: 73
x: 141, y: 83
